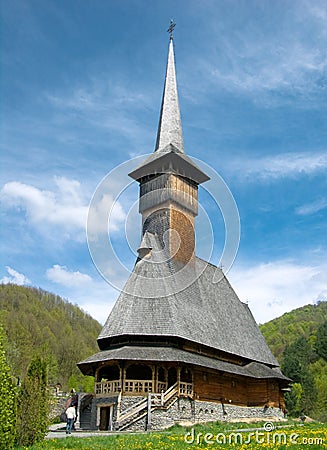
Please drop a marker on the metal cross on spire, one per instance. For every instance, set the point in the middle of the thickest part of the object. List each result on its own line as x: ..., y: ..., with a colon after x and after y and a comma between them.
x: 171, y: 28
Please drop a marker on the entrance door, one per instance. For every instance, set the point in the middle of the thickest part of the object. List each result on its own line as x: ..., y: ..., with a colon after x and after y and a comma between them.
x: 172, y: 376
x: 106, y: 413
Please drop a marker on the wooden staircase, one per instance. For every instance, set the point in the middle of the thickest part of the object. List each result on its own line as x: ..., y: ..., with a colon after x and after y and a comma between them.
x: 85, y: 411
x: 141, y: 409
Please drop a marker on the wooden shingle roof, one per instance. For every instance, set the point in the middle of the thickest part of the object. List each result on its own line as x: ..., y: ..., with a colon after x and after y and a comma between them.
x: 166, y: 354
x: 159, y: 300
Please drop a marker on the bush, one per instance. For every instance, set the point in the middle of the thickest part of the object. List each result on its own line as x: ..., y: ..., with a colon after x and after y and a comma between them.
x: 7, y: 401
x: 33, y: 404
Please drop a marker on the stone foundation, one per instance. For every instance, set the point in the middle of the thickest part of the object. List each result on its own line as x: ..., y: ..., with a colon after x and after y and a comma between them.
x: 127, y: 402
x: 186, y: 411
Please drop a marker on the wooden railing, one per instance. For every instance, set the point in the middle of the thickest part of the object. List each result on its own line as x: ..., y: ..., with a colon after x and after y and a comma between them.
x: 104, y: 388
x: 107, y: 388
x: 132, y: 411
x: 185, y: 389
x: 162, y: 398
x: 138, y: 386
x: 161, y: 386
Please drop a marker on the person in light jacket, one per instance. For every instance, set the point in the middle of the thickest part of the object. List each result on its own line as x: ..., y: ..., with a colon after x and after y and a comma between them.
x: 71, y: 415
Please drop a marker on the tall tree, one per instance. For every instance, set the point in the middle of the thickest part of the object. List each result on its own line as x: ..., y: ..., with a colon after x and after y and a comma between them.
x: 295, y: 365
x: 321, y: 341
x: 7, y: 401
x: 33, y: 404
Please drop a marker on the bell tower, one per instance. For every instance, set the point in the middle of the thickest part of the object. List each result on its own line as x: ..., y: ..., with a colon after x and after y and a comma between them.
x: 169, y: 180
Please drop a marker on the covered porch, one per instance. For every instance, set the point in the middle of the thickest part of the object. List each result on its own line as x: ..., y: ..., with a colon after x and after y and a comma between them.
x: 130, y: 378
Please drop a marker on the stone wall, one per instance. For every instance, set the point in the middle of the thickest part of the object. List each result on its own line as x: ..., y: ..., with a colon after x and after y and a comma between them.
x: 187, y: 411
x: 127, y: 402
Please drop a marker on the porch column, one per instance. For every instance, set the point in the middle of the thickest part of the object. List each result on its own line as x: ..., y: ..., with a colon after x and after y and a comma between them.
x: 78, y: 419
x: 178, y: 378
x: 123, y: 377
x: 155, y: 385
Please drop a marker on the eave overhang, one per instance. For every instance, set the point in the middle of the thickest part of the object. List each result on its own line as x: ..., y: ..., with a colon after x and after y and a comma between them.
x: 169, y: 354
x: 170, y: 161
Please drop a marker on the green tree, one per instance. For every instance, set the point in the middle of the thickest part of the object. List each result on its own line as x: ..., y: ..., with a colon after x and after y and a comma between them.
x: 293, y: 400
x: 321, y: 341
x: 319, y: 370
x: 33, y: 404
x: 295, y: 365
x: 7, y: 401
x: 80, y: 382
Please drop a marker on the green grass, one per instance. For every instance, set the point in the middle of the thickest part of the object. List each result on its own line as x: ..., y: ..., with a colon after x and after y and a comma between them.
x: 310, y: 435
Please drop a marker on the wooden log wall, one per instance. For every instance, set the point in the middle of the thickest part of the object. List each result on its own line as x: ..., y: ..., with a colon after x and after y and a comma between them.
x: 211, y: 386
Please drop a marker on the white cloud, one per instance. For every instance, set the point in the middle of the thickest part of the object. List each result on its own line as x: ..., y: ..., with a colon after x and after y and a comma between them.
x: 273, y: 288
x: 61, y: 275
x: 15, y: 277
x: 279, y: 166
x: 103, y: 209
x: 311, y: 208
x: 62, y: 207
x: 66, y: 207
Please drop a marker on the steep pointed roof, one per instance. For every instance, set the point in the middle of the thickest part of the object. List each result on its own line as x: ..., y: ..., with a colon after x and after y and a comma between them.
x: 170, y: 125
x: 203, y: 312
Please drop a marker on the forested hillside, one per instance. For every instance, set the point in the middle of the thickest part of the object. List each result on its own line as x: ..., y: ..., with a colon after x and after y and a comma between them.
x: 283, y: 331
x: 298, y: 339
x: 38, y: 322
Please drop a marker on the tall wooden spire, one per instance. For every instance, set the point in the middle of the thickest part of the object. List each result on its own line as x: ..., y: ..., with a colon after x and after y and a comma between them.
x: 170, y: 125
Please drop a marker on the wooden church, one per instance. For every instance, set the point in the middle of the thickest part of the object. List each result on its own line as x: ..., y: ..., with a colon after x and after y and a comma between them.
x: 177, y: 347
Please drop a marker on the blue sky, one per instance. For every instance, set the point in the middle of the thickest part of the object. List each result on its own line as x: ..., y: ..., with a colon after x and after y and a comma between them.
x: 81, y: 85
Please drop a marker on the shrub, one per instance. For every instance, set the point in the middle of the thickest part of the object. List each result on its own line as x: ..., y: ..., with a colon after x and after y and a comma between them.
x: 7, y: 401
x: 33, y: 404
